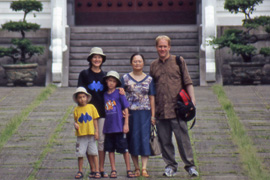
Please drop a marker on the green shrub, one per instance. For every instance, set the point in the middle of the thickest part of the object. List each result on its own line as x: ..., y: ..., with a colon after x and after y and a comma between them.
x: 240, y: 41
x: 265, y: 51
x: 246, y: 51
x: 22, y: 49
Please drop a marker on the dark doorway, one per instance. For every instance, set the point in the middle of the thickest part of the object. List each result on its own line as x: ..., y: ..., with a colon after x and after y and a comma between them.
x: 135, y: 12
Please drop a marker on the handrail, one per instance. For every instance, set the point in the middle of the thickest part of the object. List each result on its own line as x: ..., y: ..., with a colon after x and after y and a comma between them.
x: 58, y: 38
x: 209, y: 31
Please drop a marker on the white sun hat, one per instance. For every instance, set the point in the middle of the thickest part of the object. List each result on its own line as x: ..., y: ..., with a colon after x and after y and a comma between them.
x: 81, y: 90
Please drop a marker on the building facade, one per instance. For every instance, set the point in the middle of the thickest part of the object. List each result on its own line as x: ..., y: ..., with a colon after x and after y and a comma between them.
x: 60, y: 19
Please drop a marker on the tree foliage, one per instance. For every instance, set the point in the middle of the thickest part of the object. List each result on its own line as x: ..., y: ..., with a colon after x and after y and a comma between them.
x: 22, y: 48
x: 265, y: 51
x: 26, y: 6
x: 244, y: 6
x: 240, y: 41
x: 254, y: 23
x: 230, y: 36
x: 20, y: 26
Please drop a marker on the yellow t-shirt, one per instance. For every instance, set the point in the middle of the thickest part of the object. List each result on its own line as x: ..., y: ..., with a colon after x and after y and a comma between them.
x: 85, y: 116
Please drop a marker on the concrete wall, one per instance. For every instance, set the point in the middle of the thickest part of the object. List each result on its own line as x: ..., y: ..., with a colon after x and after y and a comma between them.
x: 41, y: 38
x: 224, y: 56
x: 225, y: 18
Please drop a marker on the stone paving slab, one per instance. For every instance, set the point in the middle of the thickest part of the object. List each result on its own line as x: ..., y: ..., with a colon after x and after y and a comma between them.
x: 30, y: 136
x: 217, y: 155
x: 64, y: 166
x: 13, y: 100
x: 55, y: 161
x: 225, y: 177
x: 255, y: 103
x: 14, y: 173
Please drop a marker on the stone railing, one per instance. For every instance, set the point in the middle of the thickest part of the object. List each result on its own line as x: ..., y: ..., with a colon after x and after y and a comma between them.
x: 58, y: 38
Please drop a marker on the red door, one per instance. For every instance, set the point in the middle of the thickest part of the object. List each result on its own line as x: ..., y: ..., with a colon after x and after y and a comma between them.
x: 135, y: 12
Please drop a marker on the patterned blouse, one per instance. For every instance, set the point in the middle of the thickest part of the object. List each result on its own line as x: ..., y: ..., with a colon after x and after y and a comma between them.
x: 137, y: 92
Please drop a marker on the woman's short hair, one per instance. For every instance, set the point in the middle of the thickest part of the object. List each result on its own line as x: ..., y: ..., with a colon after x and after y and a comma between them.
x: 163, y: 37
x: 136, y: 54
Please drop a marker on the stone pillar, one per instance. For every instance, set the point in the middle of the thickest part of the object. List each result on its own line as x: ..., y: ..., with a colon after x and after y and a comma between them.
x: 58, y: 39
x: 71, y: 12
x: 208, y: 31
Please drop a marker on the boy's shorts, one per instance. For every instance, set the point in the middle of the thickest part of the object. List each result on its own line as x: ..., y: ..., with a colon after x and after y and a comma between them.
x: 116, y: 142
x: 86, y: 144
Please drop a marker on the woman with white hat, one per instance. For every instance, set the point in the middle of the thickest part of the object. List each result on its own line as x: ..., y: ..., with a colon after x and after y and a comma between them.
x: 91, y: 80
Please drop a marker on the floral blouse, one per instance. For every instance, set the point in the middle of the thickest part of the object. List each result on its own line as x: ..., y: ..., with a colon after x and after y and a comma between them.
x: 137, y: 92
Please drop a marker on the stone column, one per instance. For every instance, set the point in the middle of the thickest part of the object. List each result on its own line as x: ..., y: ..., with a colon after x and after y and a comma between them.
x: 58, y: 39
x: 208, y: 31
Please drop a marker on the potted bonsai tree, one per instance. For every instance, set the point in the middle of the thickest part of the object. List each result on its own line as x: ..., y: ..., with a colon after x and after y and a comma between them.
x: 241, y: 42
x: 21, y: 50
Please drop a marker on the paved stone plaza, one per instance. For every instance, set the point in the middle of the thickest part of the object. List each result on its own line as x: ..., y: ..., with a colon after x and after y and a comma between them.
x: 44, y: 143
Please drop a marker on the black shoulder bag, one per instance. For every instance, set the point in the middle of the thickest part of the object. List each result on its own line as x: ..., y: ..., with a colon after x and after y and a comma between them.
x: 185, y: 109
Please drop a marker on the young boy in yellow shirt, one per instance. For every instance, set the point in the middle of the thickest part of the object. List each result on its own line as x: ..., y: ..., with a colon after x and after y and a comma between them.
x: 85, y: 117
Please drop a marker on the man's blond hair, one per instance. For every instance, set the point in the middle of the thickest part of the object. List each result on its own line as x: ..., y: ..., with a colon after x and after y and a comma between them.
x: 163, y: 37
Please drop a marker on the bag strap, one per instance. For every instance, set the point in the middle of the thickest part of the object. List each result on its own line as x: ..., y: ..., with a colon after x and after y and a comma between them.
x: 153, y: 130
x: 193, y: 123
x: 179, y: 63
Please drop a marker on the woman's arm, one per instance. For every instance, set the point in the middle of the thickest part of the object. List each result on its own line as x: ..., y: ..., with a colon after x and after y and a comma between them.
x: 152, y: 105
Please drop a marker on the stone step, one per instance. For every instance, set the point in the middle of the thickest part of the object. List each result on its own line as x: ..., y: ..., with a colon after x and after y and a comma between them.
x: 121, y: 29
x: 132, y: 36
x: 125, y: 42
x: 122, y: 62
x: 125, y: 55
x: 132, y: 49
x: 120, y: 42
x: 122, y: 69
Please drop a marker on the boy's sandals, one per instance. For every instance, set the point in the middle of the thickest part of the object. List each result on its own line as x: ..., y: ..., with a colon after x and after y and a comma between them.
x: 79, y: 175
x: 95, y: 175
x: 130, y: 174
x: 113, y: 174
x: 104, y: 174
x: 144, y: 173
x: 92, y: 175
x: 137, y: 173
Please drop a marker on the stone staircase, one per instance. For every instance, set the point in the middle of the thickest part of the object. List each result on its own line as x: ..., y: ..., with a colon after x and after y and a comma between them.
x: 120, y: 42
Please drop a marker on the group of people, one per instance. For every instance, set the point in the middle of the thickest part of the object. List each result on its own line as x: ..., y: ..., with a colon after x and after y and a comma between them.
x: 119, y: 112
